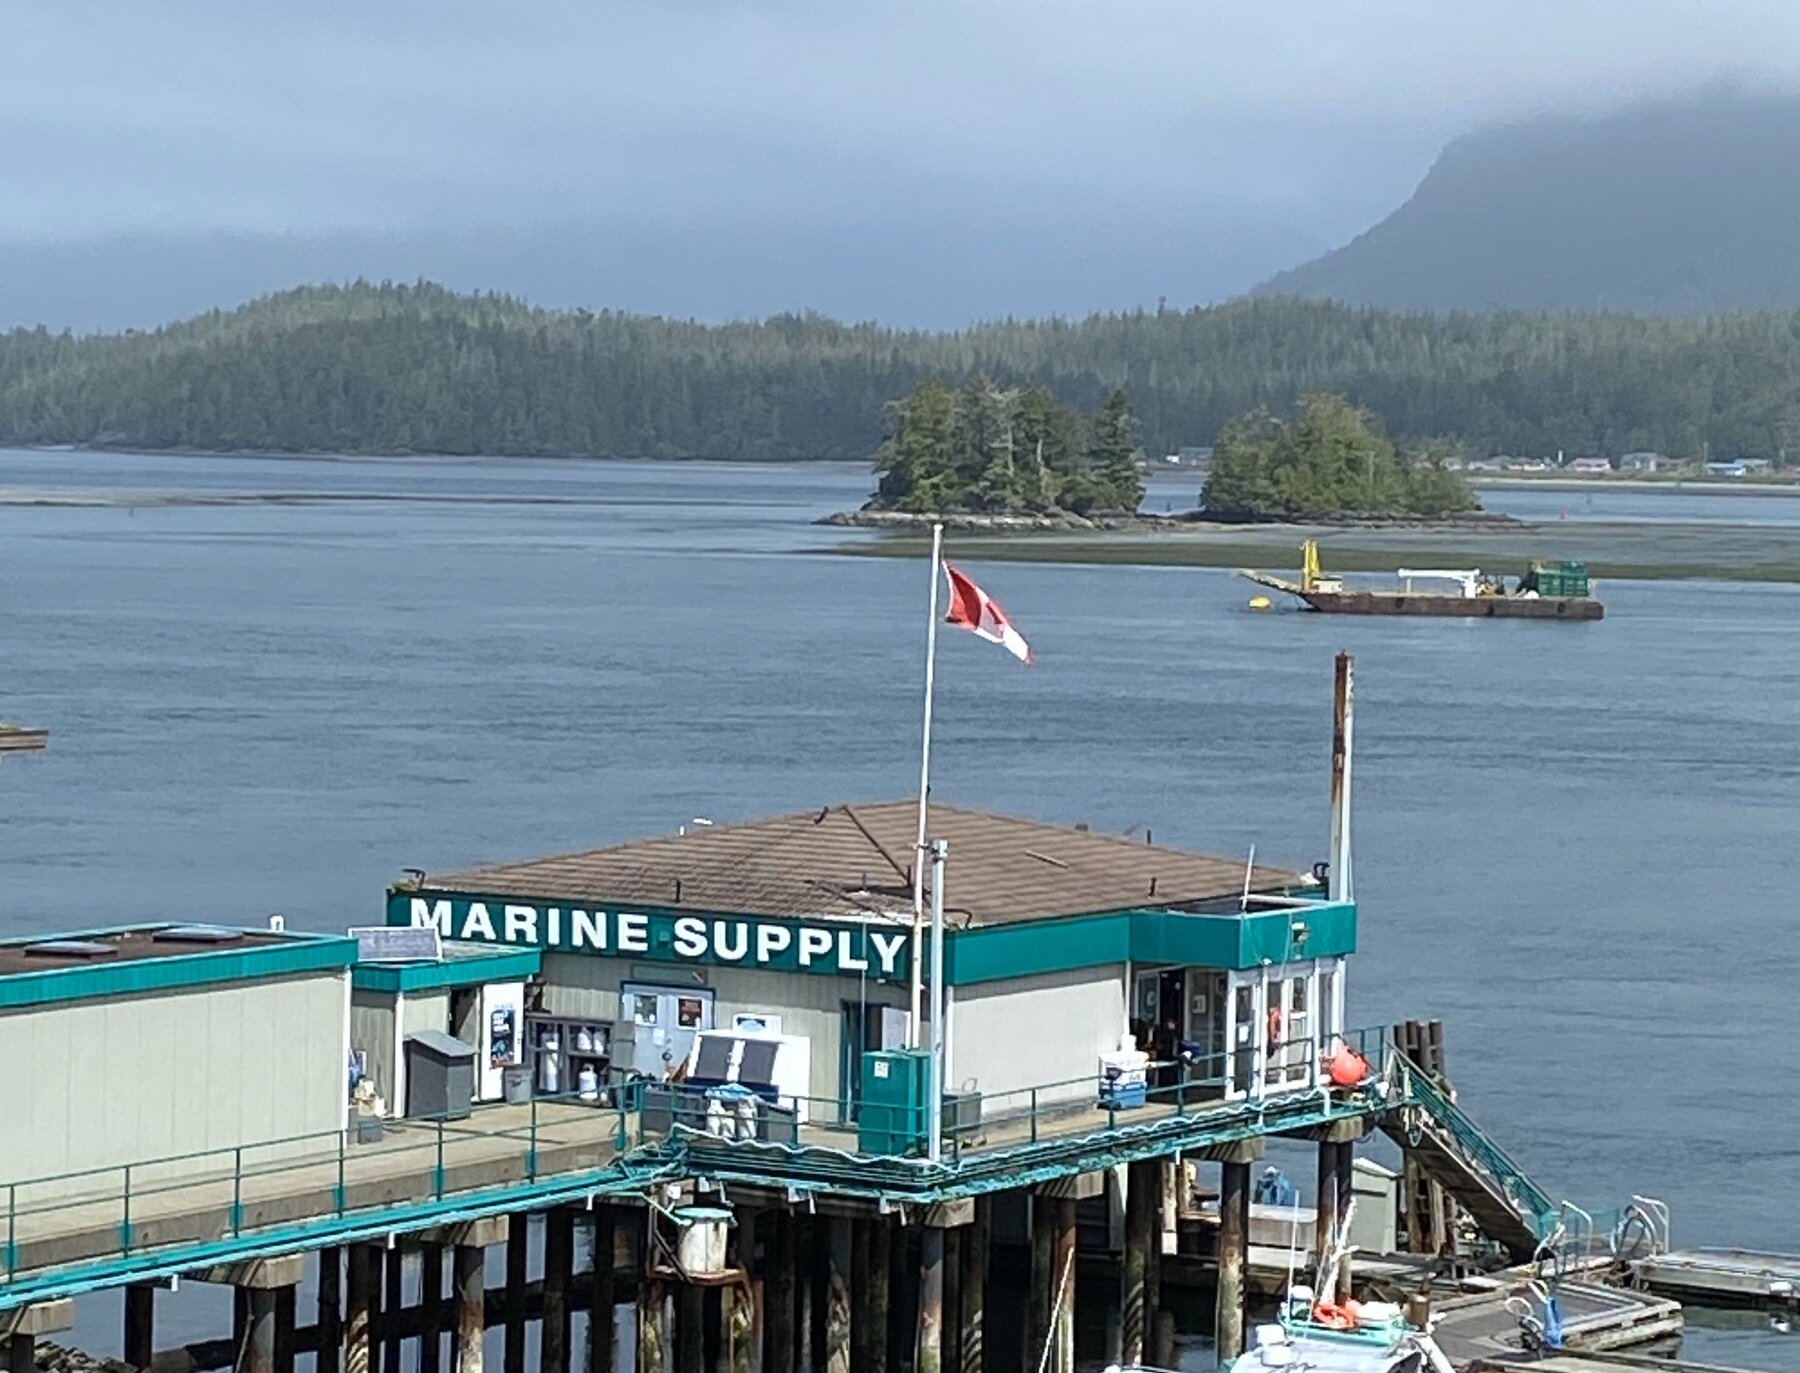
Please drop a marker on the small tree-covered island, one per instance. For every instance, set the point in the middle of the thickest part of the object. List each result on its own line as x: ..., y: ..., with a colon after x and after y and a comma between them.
x: 987, y: 451
x: 984, y: 449
x: 1331, y: 461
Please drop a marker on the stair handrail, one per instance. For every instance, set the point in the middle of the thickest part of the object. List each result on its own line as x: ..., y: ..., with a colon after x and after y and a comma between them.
x: 1476, y: 1145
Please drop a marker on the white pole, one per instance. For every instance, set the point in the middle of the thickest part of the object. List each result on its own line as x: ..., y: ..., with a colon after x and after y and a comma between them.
x: 1342, y: 883
x: 918, y: 929
x: 934, y: 1148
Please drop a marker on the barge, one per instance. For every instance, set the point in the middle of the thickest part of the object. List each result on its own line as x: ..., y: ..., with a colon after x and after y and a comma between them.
x: 1545, y: 591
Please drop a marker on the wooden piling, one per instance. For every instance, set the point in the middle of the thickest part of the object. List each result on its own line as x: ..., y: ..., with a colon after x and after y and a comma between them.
x: 780, y: 1349
x: 392, y: 1304
x: 971, y: 1351
x: 559, y: 1261
x: 602, y: 1336
x: 652, y: 1324
x: 21, y: 1353
x: 518, y: 1255
x: 1325, y: 1213
x: 256, y: 1351
x: 876, y: 1312
x: 1043, y: 1281
x: 287, y: 1301
x: 690, y: 1329
x: 140, y: 1324
x: 1346, y: 1193
x: 1159, y: 1332
x: 362, y: 1298
x: 837, y: 1295
x: 1135, y: 1331
x: 328, y: 1356
x: 930, y: 1354
x: 1062, y: 1358
x: 1234, y: 1253
x: 431, y: 1306
x: 469, y: 1272
x: 952, y: 1337
x: 860, y: 1326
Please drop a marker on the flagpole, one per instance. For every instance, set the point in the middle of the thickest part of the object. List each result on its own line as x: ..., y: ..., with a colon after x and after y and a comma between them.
x: 918, y: 864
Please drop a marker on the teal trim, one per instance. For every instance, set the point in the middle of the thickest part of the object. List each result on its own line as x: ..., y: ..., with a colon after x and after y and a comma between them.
x: 497, y: 965
x: 295, y: 953
x: 1230, y: 940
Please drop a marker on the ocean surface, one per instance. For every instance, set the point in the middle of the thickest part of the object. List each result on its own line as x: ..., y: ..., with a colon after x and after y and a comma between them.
x: 1572, y: 841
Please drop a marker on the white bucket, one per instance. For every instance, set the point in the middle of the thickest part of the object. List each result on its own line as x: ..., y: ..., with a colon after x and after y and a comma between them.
x: 700, y: 1246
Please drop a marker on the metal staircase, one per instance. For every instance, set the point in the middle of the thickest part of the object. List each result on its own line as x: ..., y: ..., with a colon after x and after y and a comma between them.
x: 1508, y: 1206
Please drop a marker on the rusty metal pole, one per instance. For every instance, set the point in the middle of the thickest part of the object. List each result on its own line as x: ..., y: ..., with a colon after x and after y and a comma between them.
x: 1341, y: 886
x: 256, y: 1352
x: 1063, y: 1311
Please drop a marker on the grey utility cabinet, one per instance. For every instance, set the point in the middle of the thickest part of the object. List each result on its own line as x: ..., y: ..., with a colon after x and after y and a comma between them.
x: 440, y: 1076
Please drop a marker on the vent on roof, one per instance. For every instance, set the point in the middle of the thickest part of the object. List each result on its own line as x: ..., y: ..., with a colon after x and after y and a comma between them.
x: 195, y: 934
x: 71, y: 948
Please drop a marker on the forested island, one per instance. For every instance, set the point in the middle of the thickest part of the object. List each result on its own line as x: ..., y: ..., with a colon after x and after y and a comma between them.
x: 1016, y: 450
x: 420, y: 369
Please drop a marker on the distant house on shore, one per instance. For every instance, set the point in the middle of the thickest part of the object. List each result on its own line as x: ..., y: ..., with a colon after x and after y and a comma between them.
x: 1727, y: 467
x: 1527, y: 465
x: 1590, y: 465
x: 1645, y: 460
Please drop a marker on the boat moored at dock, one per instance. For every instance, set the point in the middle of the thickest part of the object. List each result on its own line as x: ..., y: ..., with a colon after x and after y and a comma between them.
x: 1545, y: 591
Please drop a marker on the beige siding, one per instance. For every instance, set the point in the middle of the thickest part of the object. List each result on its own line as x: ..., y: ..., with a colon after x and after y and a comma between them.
x: 1029, y: 1031
x: 581, y: 987
x: 106, y: 1082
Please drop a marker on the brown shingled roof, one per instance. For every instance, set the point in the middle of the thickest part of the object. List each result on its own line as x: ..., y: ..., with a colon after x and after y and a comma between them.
x: 855, y: 861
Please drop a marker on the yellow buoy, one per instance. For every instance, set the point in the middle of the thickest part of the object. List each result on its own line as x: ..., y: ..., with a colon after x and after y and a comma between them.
x: 1259, y: 602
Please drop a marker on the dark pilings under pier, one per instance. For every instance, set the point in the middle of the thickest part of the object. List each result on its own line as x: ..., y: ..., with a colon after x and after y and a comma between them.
x: 21, y: 1353
x: 469, y: 1273
x: 652, y: 1324
x: 690, y: 1329
x: 1062, y: 1359
x: 602, y: 1233
x: 559, y: 1262
x: 358, y: 1347
x: 880, y: 1232
x: 1038, y: 1303
x: 1325, y: 1215
x: 256, y: 1350
x: 781, y: 1352
x: 431, y: 1304
x: 330, y: 1305
x: 930, y: 1355
x: 140, y: 1324
x: 1234, y: 1249
x: 518, y: 1254
x: 837, y: 1295
x: 972, y: 1299
x: 1135, y: 1330
x: 392, y: 1303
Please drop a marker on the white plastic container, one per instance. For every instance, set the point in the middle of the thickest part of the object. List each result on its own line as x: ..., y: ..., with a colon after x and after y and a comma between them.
x: 700, y: 1246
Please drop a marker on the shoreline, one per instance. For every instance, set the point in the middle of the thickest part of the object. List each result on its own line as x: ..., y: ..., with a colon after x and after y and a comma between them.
x: 1621, y: 551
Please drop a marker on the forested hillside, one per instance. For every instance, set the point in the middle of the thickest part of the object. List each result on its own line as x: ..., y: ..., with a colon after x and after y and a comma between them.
x: 419, y: 369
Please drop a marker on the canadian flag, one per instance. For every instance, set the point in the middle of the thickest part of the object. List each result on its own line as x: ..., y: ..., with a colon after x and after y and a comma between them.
x: 973, y: 609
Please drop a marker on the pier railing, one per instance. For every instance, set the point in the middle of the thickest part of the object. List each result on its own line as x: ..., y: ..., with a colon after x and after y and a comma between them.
x: 193, y: 1206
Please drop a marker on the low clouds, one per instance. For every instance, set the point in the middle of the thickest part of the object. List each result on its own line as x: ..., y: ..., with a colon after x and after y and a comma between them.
x: 1008, y: 121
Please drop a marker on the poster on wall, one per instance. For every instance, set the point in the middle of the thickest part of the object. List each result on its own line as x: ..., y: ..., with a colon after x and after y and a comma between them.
x: 502, y: 1030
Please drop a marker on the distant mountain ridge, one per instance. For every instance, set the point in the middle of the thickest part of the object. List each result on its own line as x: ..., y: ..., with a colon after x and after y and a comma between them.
x: 1678, y: 207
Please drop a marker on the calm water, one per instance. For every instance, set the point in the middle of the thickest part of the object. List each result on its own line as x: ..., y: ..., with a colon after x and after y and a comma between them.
x: 1573, y: 842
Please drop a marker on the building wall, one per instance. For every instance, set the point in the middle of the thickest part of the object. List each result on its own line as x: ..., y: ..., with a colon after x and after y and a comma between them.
x: 1030, y: 1031
x: 99, y: 1083
x: 372, y: 1031
x: 587, y: 988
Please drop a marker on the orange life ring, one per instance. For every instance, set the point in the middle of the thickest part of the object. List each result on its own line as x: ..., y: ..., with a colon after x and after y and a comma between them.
x: 1334, y: 1317
x: 1274, y: 1027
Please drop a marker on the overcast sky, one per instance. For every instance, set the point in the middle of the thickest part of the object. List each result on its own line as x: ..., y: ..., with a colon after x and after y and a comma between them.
x: 923, y: 161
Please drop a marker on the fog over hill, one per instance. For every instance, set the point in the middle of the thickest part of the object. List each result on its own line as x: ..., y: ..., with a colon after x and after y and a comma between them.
x: 1676, y: 207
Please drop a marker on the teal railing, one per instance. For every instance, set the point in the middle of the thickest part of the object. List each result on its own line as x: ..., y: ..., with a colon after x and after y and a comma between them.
x: 1475, y: 1145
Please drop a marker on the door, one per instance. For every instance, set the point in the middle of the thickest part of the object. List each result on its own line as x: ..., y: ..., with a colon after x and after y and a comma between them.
x: 664, y: 1021
x: 1246, y: 1032
x: 1207, y: 1029
x: 860, y: 1031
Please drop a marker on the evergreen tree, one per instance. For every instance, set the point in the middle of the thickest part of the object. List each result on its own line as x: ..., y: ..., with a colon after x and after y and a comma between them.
x: 1114, y: 456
